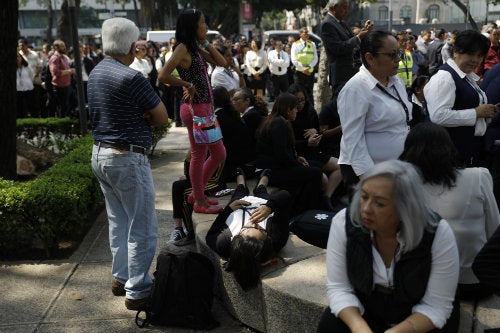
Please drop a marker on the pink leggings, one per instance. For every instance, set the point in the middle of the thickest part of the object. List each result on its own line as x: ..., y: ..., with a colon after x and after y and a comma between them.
x: 201, y: 168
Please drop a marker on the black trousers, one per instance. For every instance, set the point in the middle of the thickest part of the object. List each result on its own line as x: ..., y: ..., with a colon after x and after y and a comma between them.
x: 62, y: 100
x: 306, y: 81
x: 349, y: 178
x: 280, y: 84
x: 25, y: 103
x: 181, y: 208
x: 304, y: 185
x: 329, y: 323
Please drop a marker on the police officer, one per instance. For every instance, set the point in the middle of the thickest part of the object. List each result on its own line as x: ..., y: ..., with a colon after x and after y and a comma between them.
x: 304, y: 58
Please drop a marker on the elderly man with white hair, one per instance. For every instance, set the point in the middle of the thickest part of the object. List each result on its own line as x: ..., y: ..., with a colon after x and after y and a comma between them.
x: 122, y: 106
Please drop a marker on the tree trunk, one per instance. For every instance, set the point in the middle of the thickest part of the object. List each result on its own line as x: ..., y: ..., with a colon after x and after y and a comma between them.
x: 137, y: 16
x: 8, y: 96
x: 50, y: 23
x: 464, y: 9
x: 323, y: 88
x: 63, y: 25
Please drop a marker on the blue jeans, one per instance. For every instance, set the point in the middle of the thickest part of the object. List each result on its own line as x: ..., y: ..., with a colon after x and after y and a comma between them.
x: 127, y: 183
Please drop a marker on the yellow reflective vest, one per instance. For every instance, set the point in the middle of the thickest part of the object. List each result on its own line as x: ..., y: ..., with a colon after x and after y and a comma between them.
x: 405, y: 69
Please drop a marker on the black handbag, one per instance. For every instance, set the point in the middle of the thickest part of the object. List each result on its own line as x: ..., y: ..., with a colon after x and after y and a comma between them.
x: 313, y: 227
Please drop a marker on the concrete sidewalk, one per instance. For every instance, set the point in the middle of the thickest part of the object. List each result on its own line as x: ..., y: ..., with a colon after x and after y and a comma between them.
x: 74, y: 295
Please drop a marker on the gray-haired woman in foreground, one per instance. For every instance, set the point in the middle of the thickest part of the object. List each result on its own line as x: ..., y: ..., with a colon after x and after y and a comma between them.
x: 392, y: 264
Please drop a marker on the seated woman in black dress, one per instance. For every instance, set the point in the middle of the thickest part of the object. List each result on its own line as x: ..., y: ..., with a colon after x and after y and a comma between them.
x: 240, y: 146
x: 251, y: 229
x: 276, y: 151
x: 308, y: 139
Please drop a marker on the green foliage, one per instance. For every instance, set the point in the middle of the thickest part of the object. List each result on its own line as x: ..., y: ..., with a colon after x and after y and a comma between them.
x: 32, y: 127
x: 158, y: 133
x: 54, y: 206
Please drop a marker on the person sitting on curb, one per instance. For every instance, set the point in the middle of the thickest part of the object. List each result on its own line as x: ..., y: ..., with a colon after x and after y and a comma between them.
x: 251, y: 229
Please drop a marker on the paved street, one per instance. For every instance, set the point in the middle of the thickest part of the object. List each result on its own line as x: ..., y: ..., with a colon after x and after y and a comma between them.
x: 74, y: 295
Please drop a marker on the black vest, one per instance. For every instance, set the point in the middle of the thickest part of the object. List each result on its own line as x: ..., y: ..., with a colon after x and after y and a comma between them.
x: 466, y: 97
x: 411, y: 274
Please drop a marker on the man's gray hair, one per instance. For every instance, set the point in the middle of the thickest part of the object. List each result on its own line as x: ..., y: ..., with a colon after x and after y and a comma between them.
x: 118, y: 35
x: 331, y: 3
x: 408, y: 196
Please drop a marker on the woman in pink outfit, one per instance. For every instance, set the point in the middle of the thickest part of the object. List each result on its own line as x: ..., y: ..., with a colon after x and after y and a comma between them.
x: 190, y: 57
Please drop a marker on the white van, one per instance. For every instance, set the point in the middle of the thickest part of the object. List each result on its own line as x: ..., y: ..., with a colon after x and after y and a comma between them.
x: 163, y: 36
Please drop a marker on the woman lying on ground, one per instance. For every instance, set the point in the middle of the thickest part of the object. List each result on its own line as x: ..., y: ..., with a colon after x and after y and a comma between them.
x: 251, y: 229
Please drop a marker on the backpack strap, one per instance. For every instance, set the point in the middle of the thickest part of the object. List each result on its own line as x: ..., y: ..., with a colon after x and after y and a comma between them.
x: 141, y: 322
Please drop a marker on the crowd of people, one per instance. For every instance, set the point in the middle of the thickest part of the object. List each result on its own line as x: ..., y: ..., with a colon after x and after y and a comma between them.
x: 405, y: 153
x: 46, y: 85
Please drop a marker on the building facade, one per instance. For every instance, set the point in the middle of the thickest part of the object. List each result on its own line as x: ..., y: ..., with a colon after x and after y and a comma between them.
x: 428, y: 12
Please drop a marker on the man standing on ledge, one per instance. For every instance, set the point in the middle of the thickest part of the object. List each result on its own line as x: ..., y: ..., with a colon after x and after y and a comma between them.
x: 340, y: 43
x: 304, y: 58
x: 122, y: 106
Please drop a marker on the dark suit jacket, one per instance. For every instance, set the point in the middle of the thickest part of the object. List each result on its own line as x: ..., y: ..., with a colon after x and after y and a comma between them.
x: 339, y: 45
x: 89, y: 64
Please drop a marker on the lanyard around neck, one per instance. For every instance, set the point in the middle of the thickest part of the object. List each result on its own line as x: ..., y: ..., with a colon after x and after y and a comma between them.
x: 399, y: 99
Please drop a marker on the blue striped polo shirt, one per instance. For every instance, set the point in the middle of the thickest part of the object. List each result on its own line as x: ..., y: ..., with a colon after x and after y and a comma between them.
x: 118, y: 98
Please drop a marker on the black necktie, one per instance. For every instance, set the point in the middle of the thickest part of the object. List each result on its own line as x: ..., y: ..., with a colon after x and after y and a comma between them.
x: 279, y: 57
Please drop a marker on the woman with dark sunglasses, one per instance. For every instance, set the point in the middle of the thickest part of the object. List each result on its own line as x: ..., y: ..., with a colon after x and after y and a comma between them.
x: 374, y: 109
x: 251, y: 229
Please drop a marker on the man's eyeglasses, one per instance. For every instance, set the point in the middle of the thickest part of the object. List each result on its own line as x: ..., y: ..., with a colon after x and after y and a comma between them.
x: 394, y: 55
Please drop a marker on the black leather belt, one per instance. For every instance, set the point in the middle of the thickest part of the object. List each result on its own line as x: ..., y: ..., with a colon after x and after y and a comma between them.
x: 132, y: 148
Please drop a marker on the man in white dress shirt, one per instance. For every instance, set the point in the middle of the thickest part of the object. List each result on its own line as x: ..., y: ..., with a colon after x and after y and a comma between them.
x: 279, y: 61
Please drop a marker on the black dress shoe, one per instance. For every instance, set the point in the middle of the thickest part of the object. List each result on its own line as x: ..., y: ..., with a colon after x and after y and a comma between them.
x: 264, y: 173
x: 239, y: 172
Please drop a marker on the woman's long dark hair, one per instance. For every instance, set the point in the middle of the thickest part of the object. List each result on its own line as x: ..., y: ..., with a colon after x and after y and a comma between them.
x: 222, y: 99
x: 283, y: 103
x: 247, y: 255
x: 429, y: 147
x: 186, y: 29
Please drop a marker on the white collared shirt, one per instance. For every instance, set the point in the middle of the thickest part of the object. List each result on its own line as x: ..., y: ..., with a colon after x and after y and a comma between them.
x: 240, y: 217
x: 255, y: 60
x: 440, y: 96
x: 438, y: 298
x: 278, y: 65
x: 472, y: 212
x: 224, y: 77
x: 141, y: 65
x: 373, y: 124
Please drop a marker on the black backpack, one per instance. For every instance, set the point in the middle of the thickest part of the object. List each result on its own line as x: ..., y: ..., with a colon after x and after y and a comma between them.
x: 313, y: 227
x: 182, y: 293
